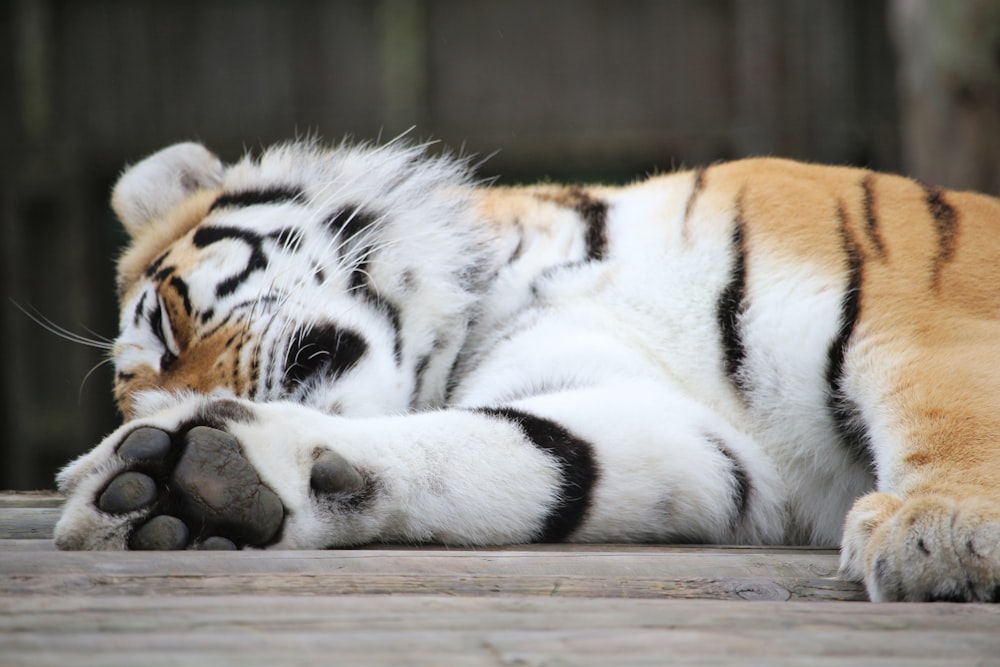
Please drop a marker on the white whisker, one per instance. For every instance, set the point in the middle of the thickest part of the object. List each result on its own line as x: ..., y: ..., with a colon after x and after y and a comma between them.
x: 89, y: 373
x: 62, y: 332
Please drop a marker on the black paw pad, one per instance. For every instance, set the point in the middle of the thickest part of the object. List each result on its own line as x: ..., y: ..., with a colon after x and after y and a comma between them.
x: 219, y: 490
x: 217, y: 544
x: 128, y: 492
x: 161, y: 533
x: 331, y: 473
x: 145, y: 444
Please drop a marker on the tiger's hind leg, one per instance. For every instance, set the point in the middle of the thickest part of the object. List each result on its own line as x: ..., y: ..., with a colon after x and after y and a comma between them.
x: 925, y: 547
x: 932, y: 529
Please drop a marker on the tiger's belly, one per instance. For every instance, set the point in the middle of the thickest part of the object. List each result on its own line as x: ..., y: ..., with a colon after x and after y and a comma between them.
x: 660, y: 321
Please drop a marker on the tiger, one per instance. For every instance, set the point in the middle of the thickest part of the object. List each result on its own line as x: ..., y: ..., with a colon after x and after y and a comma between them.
x: 332, y: 345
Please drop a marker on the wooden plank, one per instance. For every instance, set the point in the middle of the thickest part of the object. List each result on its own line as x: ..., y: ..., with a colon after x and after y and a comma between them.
x: 593, y: 604
x: 28, y: 522
x: 30, y: 499
x: 28, y: 514
x: 563, y: 570
x: 25, y: 545
x: 419, y: 630
x: 674, y: 572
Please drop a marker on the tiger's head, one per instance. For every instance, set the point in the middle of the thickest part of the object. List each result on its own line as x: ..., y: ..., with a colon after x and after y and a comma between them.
x: 330, y: 277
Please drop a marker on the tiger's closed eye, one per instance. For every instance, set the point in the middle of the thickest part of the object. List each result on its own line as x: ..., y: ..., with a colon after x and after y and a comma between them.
x: 159, y: 320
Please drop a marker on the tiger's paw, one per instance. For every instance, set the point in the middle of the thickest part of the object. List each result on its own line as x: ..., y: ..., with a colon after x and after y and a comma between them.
x: 194, y: 487
x: 212, y: 497
x: 924, y: 548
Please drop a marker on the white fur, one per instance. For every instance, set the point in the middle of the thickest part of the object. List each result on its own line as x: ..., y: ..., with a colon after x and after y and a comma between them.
x: 623, y: 354
x: 150, y: 189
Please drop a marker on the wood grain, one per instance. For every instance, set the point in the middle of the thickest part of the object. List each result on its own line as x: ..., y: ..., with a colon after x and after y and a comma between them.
x: 665, y: 572
x: 425, y: 630
x: 28, y: 522
x: 549, y: 604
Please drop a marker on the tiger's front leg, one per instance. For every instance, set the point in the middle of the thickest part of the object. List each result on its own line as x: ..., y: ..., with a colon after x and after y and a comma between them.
x: 569, y: 466
x: 227, y: 474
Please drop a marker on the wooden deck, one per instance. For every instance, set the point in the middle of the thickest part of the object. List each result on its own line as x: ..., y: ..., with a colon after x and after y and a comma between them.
x: 539, y: 605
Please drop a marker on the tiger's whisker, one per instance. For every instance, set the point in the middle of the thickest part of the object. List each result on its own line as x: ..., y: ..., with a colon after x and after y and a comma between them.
x: 60, y: 331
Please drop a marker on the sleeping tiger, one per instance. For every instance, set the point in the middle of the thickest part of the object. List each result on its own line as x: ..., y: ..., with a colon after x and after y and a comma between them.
x: 329, y: 346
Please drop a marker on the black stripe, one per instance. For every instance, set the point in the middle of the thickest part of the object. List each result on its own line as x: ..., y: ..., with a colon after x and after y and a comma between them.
x: 358, y: 281
x: 391, y: 311
x: 871, y: 217
x: 732, y: 304
x: 575, y: 458
x: 845, y: 412
x: 319, y: 275
x: 289, y: 238
x: 270, y: 195
x: 351, y: 223
x: 696, y: 190
x: 155, y: 321
x: 254, y: 371
x: 137, y: 316
x: 516, y: 255
x: 595, y: 215
x: 206, y: 236
x: 353, y: 226
x: 418, y: 374
x: 742, y: 488
x: 359, y: 284
x: 155, y: 266
x: 455, y: 374
x: 946, y: 227
x: 182, y: 290
x: 229, y: 285
x: 164, y: 273
x: 324, y: 350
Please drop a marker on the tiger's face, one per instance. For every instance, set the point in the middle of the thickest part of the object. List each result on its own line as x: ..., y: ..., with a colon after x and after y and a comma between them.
x: 249, y: 291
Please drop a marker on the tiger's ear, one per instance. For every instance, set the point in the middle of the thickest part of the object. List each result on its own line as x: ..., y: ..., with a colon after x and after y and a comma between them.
x: 148, y: 191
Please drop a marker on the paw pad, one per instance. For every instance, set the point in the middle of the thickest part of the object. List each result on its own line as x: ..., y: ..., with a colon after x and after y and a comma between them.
x: 145, y: 444
x: 217, y: 544
x: 161, y: 533
x: 205, y: 494
x: 216, y: 483
x: 331, y: 473
x: 128, y: 492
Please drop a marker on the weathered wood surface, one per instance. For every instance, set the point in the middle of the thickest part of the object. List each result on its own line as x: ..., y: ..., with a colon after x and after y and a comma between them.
x: 659, y: 572
x: 537, y: 605
x: 441, y: 630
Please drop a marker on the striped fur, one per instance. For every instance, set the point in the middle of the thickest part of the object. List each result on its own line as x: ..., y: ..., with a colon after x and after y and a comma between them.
x: 736, y: 354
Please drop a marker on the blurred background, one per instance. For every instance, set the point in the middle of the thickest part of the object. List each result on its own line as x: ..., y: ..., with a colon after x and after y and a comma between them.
x: 560, y: 89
